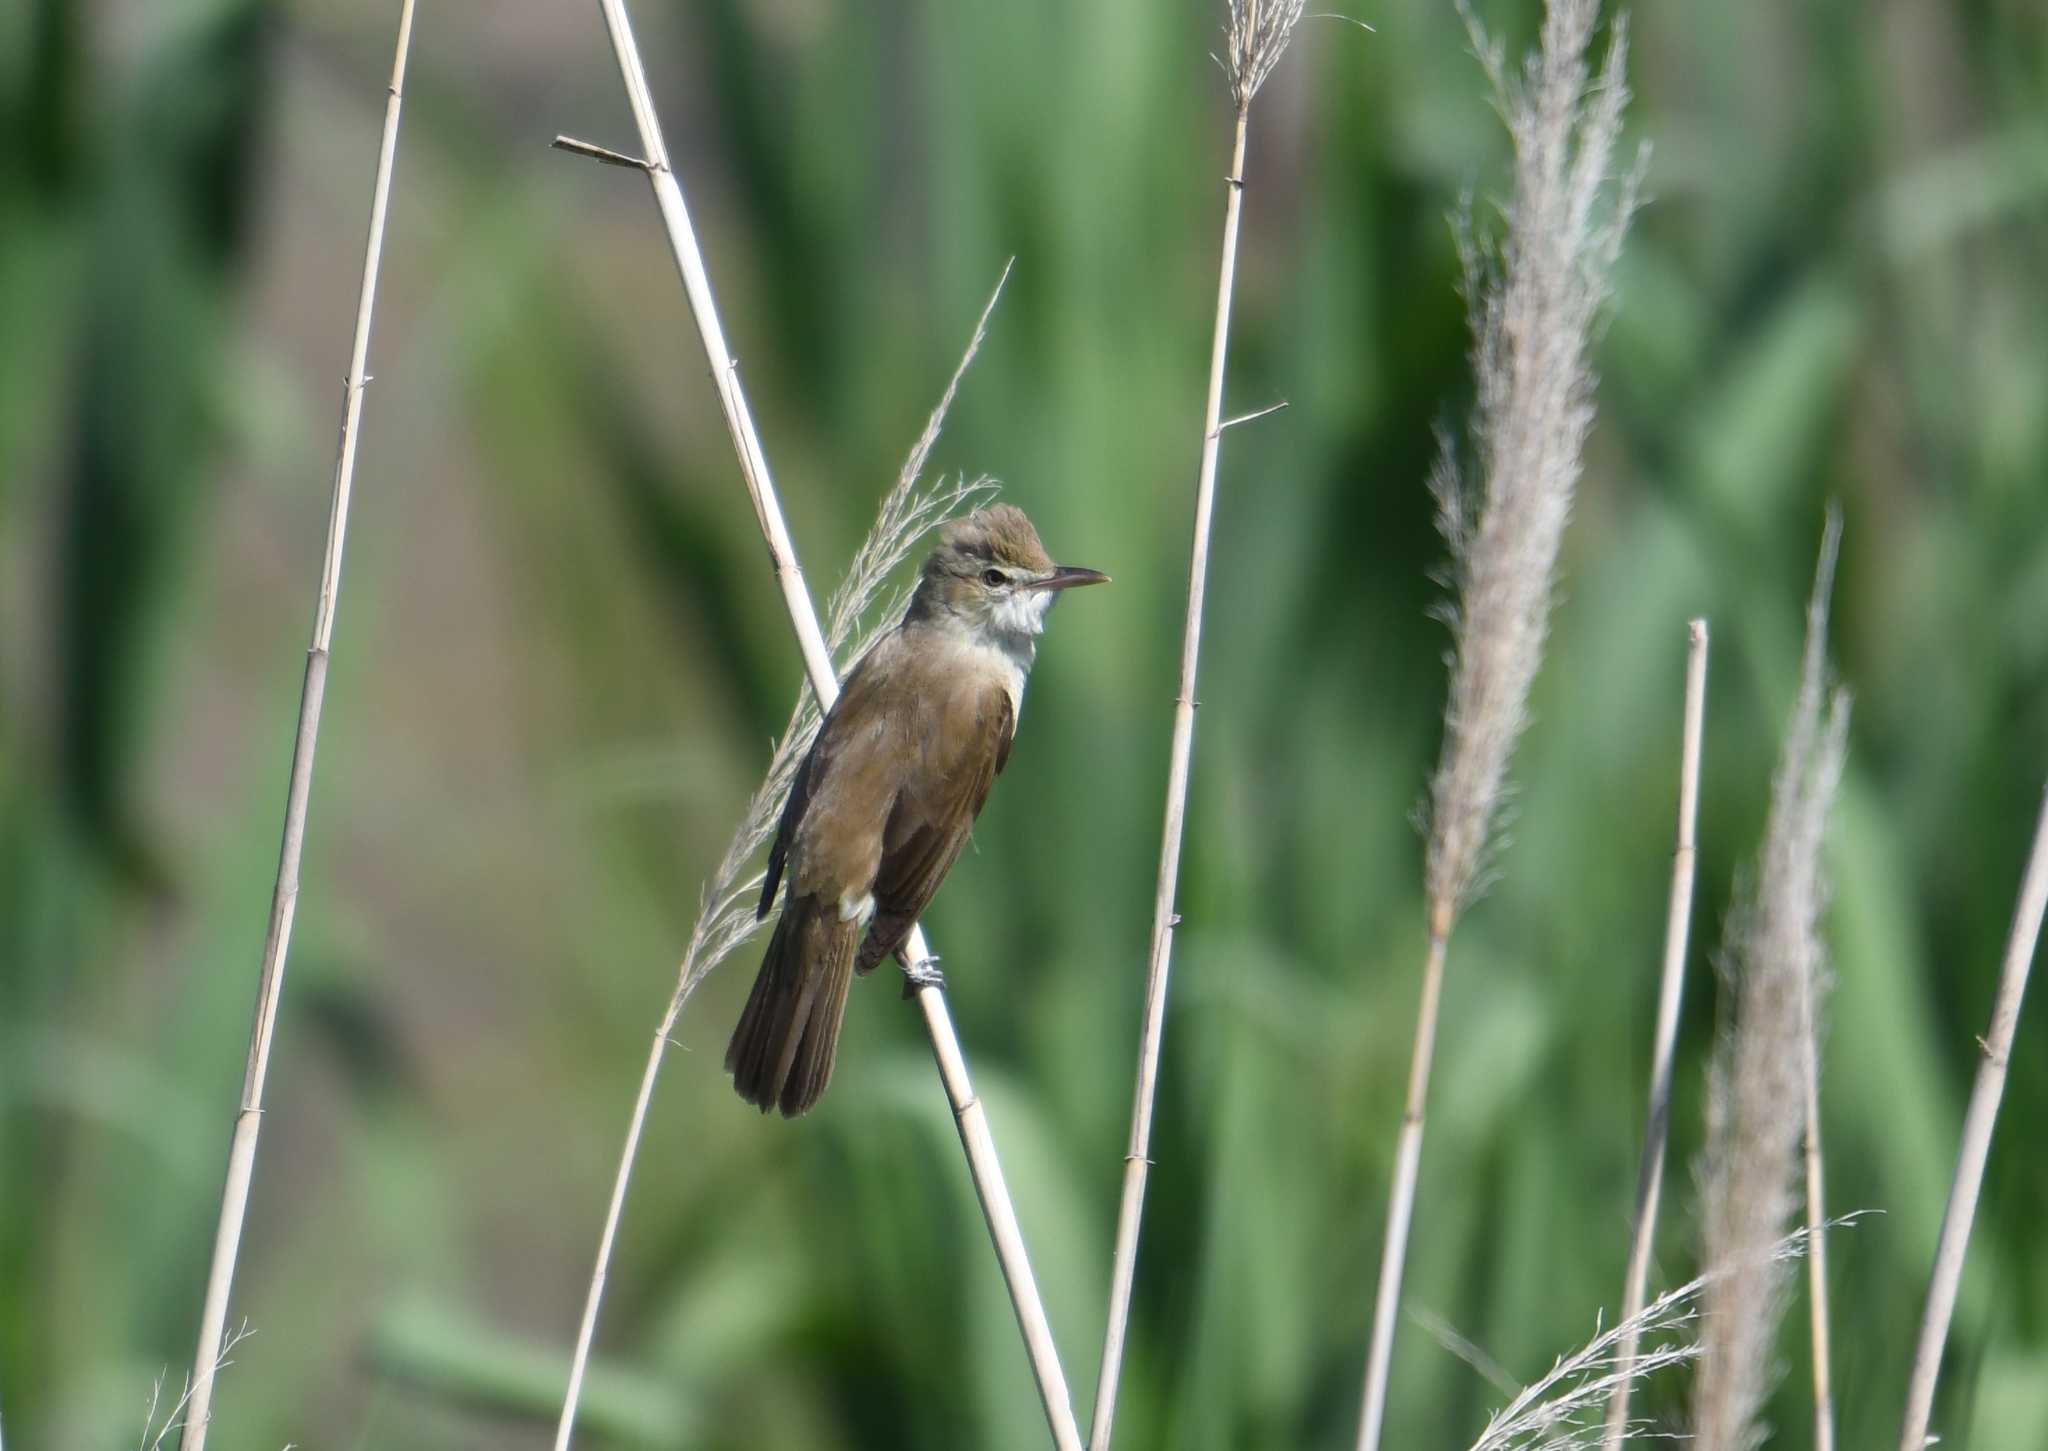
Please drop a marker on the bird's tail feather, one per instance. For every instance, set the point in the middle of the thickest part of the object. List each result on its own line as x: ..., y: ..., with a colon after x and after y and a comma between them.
x: 781, y: 1053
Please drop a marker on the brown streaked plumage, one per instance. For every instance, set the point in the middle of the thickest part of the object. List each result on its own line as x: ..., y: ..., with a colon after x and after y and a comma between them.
x: 885, y: 801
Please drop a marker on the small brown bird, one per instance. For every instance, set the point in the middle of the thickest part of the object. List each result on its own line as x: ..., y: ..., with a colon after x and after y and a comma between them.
x: 886, y: 798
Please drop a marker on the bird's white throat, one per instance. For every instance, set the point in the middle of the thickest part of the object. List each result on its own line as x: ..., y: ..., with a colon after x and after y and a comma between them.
x: 1005, y: 641
x: 1021, y: 613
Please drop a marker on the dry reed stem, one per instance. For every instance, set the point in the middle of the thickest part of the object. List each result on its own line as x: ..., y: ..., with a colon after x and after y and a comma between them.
x: 1816, y: 1217
x: 1945, y: 1279
x: 1256, y: 36
x: 1757, y: 1104
x: 1401, y: 1200
x: 284, y: 895
x: 1677, y: 933
x: 970, y: 1117
x: 1532, y: 321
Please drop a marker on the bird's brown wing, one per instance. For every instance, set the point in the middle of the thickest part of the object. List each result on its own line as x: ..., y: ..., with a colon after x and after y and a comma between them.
x: 852, y: 751
x: 792, y: 813
x: 928, y: 828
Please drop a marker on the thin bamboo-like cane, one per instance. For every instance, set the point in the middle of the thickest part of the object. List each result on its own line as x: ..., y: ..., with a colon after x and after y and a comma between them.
x: 586, y: 1329
x: 1137, y: 1160
x: 969, y: 1116
x: 1677, y: 931
x: 1978, y: 1123
x: 1401, y: 1193
x: 284, y: 894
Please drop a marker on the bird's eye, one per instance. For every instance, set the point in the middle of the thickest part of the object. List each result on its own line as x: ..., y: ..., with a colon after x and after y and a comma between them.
x: 994, y: 578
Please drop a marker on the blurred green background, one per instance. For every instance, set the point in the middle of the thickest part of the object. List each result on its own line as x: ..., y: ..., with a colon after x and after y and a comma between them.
x: 560, y: 658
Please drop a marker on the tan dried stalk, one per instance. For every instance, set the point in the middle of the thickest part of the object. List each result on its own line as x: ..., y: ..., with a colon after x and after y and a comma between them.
x: 969, y: 1115
x: 1982, y: 1116
x: 1256, y: 34
x: 1677, y: 933
x: 1533, y: 318
x: 1816, y: 1216
x: 1757, y: 1102
x: 284, y: 895
x: 726, y: 912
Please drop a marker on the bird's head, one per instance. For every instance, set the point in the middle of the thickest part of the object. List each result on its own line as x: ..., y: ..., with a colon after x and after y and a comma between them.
x: 989, y: 573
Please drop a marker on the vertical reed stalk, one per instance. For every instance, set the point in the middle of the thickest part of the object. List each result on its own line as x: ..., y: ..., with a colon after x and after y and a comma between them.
x: 969, y: 1116
x: 1257, y: 35
x: 1677, y: 931
x: 1816, y: 1241
x: 284, y: 896
x: 1401, y: 1193
x: 593, y: 1298
x: 1978, y: 1122
x: 1533, y: 309
x: 1137, y: 1157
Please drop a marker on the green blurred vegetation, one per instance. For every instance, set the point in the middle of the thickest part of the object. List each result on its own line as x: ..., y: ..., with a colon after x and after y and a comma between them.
x: 560, y: 657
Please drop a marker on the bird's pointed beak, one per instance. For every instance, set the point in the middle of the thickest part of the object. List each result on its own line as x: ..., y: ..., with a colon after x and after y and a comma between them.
x: 1066, y: 576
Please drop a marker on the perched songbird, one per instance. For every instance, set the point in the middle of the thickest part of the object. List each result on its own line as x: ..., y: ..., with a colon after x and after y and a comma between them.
x: 885, y: 799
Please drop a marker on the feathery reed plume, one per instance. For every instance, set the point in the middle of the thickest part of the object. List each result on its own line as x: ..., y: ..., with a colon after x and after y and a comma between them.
x: 1533, y: 325
x: 1978, y: 1122
x: 725, y: 915
x: 1256, y: 35
x: 284, y: 897
x: 1533, y: 311
x: 1757, y: 1101
x: 908, y: 513
x: 1677, y: 931
x: 1555, y: 1412
x: 1558, y: 1412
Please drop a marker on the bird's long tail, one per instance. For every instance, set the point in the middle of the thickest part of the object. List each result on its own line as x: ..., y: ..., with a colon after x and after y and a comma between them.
x: 781, y: 1053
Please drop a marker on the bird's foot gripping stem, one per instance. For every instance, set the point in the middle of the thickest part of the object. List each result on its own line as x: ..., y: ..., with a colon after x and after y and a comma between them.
x: 919, y: 975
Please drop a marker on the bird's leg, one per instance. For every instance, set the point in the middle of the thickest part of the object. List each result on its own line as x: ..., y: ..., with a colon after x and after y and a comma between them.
x: 920, y: 975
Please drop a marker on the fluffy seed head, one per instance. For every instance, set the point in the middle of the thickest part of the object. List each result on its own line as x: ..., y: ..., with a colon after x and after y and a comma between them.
x: 1534, y: 306
x: 1255, y: 37
x: 1757, y: 1101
